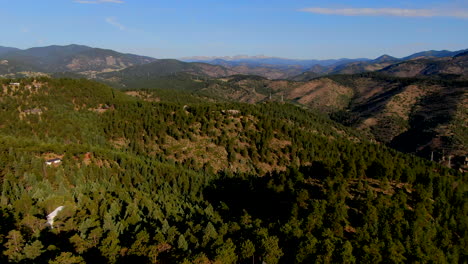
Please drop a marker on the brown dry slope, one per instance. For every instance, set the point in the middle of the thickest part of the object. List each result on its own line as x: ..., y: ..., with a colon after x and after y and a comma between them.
x: 322, y: 94
x: 438, y: 123
x: 413, y: 115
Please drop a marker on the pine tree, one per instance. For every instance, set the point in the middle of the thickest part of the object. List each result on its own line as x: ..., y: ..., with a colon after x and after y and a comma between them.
x: 227, y: 253
x: 272, y: 251
x: 247, y: 250
x: 67, y: 258
x: 14, y: 246
x: 182, y: 243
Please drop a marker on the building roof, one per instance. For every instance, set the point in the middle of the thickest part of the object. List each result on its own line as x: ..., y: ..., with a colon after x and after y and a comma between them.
x: 53, y: 160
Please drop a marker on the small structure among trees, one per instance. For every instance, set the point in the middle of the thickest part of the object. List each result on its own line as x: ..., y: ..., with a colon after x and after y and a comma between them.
x: 51, y: 216
x: 36, y: 111
x: 53, y: 161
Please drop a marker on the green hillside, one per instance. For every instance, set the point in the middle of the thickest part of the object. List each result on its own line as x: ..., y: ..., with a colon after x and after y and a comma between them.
x: 153, y: 178
x: 168, y: 72
x: 414, y: 115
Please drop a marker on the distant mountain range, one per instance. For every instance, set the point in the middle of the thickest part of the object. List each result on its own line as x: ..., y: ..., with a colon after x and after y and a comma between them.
x: 270, y: 67
x: 263, y: 60
x: 347, y: 68
x: 281, y: 68
x: 91, y: 62
x: 372, y: 65
x: 453, y: 67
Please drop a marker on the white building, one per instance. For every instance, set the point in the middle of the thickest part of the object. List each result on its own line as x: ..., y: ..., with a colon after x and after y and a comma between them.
x: 53, y: 161
x: 51, y: 216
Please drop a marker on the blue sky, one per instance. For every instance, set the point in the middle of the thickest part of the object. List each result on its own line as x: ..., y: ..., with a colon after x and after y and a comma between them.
x: 288, y: 28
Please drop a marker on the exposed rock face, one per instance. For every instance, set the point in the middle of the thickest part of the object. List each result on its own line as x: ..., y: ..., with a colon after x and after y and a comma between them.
x: 87, y: 63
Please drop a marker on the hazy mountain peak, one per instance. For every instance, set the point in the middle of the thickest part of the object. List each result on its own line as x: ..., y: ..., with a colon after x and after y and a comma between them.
x: 462, y: 54
x: 385, y: 58
x: 434, y: 53
x: 225, y: 58
x: 4, y: 50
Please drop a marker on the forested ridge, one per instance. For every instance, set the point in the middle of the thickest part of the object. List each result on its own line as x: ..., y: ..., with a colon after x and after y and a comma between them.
x: 183, y: 180
x: 424, y: 115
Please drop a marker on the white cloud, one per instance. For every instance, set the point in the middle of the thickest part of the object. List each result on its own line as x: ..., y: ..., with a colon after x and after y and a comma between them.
x: 98, y: 1
x: 113, y: 21
x: 400, y: 12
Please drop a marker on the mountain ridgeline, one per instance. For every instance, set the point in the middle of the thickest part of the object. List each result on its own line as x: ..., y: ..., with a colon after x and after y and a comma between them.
x: 91, y: 61
x: 430, y: 63
x: 71, y: 58
x: 151, y: 176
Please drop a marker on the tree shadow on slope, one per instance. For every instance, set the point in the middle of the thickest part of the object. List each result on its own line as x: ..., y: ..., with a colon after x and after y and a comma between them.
x: 234, y: 195
x: 270, y: 197
x: 433, y: 112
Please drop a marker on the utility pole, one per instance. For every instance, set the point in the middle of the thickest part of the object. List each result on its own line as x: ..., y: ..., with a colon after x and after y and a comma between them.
x: 44, y: 171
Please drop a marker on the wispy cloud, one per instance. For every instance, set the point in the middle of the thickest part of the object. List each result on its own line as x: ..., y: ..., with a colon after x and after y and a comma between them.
x: 98, y: 1
x: 113, y: 21
x: 399, y: 12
